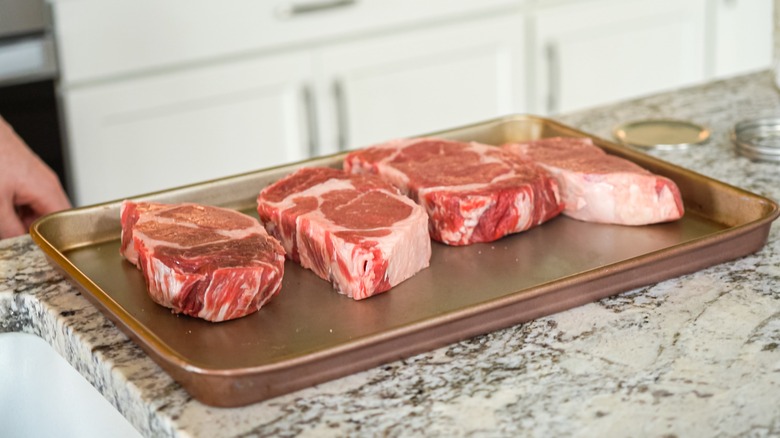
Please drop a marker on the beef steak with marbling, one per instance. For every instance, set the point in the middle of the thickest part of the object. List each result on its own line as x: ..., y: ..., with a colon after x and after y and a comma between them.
x: 599, y: 187
x: 472, y: 192
x: 203, y: 261
x: 355, y: 231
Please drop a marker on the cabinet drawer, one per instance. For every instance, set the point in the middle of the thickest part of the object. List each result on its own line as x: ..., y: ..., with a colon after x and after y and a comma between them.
x: 107, y: 38
x: 161, y: 131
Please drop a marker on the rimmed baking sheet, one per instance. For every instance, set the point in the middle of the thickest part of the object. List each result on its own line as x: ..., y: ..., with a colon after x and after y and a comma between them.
x: 309, y: 333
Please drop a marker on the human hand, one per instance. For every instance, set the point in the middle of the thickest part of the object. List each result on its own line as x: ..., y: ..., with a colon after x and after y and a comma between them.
x: 28, y: 187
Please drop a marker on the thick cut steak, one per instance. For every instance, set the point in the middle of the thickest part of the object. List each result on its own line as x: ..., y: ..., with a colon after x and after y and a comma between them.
x: 203, y: 261
x: 599, y: 187
x: 472, y: 192
x: 355, y: 231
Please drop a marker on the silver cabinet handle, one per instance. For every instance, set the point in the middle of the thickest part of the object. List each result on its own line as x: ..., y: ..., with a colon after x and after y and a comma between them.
x: 310, y: 112
x: 553, y: 78
x: 292, y: 9
x: 342, y: 126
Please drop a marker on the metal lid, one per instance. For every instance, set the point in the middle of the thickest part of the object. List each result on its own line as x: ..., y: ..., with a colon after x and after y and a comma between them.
x: 758, y: 139
x: 665, y: 134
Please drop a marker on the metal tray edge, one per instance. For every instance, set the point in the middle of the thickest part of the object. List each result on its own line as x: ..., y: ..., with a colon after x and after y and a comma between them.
x: 184, y: 372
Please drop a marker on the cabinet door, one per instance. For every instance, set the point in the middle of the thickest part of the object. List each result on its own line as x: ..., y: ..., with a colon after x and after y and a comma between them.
x: 151, y: 34
x: 151, y: 133
x: 420, y: 81
x: 741, y: 36
x: 594, y: 52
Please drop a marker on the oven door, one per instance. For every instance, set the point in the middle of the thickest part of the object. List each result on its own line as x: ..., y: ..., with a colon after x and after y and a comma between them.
x: 26, y: 47
x: 27, y: 59
x: 28, y: 75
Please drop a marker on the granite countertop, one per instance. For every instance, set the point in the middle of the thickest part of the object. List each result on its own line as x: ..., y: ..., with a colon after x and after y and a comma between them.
x: 694, y: 355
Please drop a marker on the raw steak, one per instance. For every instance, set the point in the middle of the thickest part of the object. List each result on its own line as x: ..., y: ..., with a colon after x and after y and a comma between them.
x: 355, y: 231
x: 598, y: 187
x: 203, y: 261
x: 472, y: 192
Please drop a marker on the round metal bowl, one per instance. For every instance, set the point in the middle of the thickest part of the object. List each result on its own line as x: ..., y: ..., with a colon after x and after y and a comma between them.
x: 758, y: 139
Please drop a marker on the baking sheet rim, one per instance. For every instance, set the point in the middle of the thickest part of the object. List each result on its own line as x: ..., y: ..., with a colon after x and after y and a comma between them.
x: 165, y: 353
x: 172, y: 358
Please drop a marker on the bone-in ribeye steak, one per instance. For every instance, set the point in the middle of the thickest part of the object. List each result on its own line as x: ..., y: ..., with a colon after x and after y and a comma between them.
x: 472, y: 192
x: 599, y: 187
x: 203, y: 261
x: 355, y: 231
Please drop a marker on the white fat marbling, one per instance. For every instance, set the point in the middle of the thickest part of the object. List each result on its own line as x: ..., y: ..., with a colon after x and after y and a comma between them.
x: 697, y: 355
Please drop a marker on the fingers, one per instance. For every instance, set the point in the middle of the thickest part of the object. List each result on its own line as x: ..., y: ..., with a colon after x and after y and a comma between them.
x: 27, y: 216
x: 28, y: 195
x: 10, y: 224
x: 31, y: 201
x: 39, y: 189
x: 44, y: 195
x: 28, y: 187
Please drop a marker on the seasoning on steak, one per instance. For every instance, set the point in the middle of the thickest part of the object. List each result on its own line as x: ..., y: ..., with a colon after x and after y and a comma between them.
x: 599, y: 187
x: 203, y: 261
x: 355, y: 231
x: 472, y: 192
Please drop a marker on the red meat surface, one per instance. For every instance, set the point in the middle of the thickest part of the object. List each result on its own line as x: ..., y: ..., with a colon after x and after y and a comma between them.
x: 599, y: 187
x: 357, y: 232
x: 203, y: 261
x: 472, y: 192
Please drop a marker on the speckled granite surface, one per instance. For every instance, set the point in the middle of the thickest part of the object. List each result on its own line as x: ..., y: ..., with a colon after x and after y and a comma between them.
x: 697, y: 355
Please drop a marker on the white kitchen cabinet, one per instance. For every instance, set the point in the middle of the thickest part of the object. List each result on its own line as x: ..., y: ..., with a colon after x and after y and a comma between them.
x: 740, y: 37
x: 593, y: 52
x: 156, y: 132
x: 150, y: 132
x: 424, y: 80
x: 159, y: 94
x: 100, y: 39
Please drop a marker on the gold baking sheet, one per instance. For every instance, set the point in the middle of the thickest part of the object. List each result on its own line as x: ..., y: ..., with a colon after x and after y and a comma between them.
x: 309, y: 333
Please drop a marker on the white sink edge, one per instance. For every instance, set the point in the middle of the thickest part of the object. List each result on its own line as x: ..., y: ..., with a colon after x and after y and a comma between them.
x: 41, y: 394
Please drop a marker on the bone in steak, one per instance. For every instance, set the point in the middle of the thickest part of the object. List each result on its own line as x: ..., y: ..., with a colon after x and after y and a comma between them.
x: 472, y: 192
x: 599, y: 187
x: 203, y: 261
x: 355, y: 231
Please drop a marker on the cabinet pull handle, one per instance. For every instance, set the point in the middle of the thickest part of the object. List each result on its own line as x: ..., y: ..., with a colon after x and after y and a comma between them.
x: 342, y: 126
x: 553, y: 78
x: 292, y: 9
x: 310, y: 112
